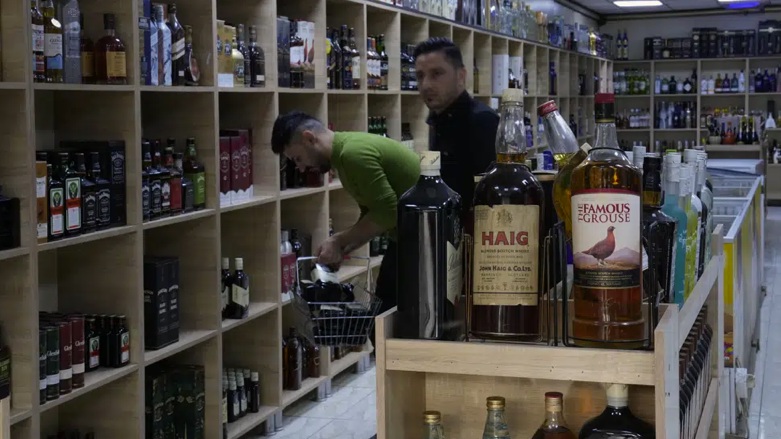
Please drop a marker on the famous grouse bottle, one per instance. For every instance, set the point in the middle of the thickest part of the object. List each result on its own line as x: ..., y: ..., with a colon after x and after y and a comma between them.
x: 430, y: 237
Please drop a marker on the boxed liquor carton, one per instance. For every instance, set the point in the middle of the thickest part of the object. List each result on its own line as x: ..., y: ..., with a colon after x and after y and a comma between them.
x: 189, y: 415
x: 242, y: 186
x: 144, y: 43
x: 41, y: 202
x: 172, y: 268
x: 156, y: 302
x: 226, y: 194
x: 154, y: 404
x: 283, y: 51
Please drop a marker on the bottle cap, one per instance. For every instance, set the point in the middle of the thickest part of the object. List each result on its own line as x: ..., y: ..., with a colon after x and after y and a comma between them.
x: 639, y: 153
x: 547, y: 108
x: 284, y: 236
x: 495, y: 402
x: 239, y: 263
x: 553, y: 401
x: 512, y: 95
x: 226, y: 264
x: 254, y: 377
x: 429, y: 161
x: 585, y: 147
x: 690, y: 155
x: 630, y: 155
x: 617, y: 395
x: 432, y: 417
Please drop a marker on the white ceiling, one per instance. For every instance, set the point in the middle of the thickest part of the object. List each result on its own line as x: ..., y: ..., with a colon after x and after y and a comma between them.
x: 606, y: 7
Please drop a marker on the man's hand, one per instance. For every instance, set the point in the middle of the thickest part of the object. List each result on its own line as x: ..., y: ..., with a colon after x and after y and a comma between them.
x: 331, y: 253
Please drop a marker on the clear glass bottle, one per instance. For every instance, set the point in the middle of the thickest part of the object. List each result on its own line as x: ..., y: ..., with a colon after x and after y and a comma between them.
x: 554, y: 426
x: 495, y: 423
x: 432, y: 425
x: 692, y: 228
x: 672, y: 176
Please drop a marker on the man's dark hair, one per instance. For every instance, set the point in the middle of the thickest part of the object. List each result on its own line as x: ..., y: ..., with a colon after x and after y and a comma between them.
x: 289, y: 125
x: 441, y: 44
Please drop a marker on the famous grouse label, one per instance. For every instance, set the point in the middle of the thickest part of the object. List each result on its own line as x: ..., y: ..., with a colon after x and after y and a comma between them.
x: 606, y: 238
x: 505, y: 260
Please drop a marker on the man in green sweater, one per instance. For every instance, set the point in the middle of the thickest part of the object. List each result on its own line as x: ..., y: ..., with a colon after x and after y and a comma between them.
x: 374, y: 170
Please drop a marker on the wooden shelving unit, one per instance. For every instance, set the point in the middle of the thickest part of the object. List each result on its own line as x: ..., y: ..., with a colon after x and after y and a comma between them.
x: 683, y: 68
x: 102, y: 272
x: 455, y: 378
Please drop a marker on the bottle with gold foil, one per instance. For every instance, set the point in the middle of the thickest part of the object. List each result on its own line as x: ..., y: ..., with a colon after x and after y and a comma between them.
x: 237, y: 59
x: 432, y: 425
x: 554, y: 426
x: 508, y: 220
x: 495, y: 423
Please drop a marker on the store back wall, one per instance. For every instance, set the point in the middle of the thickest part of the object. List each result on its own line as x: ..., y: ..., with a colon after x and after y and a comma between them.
x: 553, y: 8
x: 678, y: 27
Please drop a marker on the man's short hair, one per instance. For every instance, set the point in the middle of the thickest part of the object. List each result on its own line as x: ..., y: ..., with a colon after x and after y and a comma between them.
x: 441, y: 44
x: 289, y: 125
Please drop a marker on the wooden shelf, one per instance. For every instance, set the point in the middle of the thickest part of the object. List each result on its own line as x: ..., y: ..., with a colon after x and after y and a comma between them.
x: 187, y: 339
x: 255, y: 310
x: 249, y: 421
x: 92, y: 381
x: 340, y: 365
x: 308, y: 385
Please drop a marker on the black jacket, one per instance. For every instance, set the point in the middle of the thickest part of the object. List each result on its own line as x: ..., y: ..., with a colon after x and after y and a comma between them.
x: 465, y: 135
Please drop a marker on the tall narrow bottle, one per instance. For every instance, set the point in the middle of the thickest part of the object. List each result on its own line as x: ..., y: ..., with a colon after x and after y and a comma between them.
x: 39, y: 60
x: 52, y: 43
x: 257, y: 66
x: 110, y: 56
x: 606, y: 241
x: 658, y: 229
x: 178, y: 60
x: 617, y: 421
x: 696, y: 206
x: 163, y: 46
x: 226, y: 284
x: 495, y: 423
x: 192, y: 73
x: 672, y: 176
x: 432, y: 425
x: 89, y: 196
x: 692, y: 228
x: 72, y: 182
x: 692, y: 157
x: 508, y: 221
x: 56, y: 196
x: 103, y: 191
x: 430, y: 234
x: 195, y: 172
x: 240, y: 291
x: 71, y: 40
x: 705, y: 194
x: 554, y: 426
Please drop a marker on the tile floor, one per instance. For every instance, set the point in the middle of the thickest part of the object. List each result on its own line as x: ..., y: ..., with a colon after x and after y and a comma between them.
x: 350, y: 412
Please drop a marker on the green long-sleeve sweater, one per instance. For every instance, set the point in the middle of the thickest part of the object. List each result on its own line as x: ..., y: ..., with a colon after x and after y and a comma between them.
x: 375, y: 171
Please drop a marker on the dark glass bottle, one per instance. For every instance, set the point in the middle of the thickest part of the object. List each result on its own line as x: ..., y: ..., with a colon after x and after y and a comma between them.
x: 430, y: 275
x: 509, y: 216
x: 103, y: 189
x: 87, y: 55
x: 178, y: 59
x: 89, y: 196
x: 242, y: 48
x: 155, y: 184
x: 5, y: 369
x: 227, y: 283
x: 56, y: 195
x: 383, y: 62
x: 192, y: 73
x: 195, y: 172
x: 257, y: 60
x: 92, y: 342
x: 146, y: 184
x: 188, y: 190
x: 294, y: 354
x: 122, y: 336
x: 296, y: 243
x: 347, y: 60
x: 110, y: 59
x: 313, y: 360
x: 239, y: 291
x: 224, y: 410
x: 176, y: 179
x: 72, y: 184
x: 254, y: 393
x: 658, y: 229
x: 617, y: 421
x: 554, y: 426
x: 234, y: 404
x: 165, y: 180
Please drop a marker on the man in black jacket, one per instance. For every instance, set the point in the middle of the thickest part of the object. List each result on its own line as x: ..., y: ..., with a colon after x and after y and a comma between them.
x: 461, y: 128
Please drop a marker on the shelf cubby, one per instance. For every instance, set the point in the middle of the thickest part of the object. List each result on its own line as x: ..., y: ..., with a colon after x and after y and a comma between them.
x: 414, y: 112
x: 464, y: 39
x: 313, y: 11
x: 382, y: 21
x: 439, y: 29
x: 126, y: 27
x: 15, y: 168
x: 309, y: 214
x: 340, y: 12
x: 348, y: 112
x: 414, y: 29
x: 388, y: 106
x: 18, y: 314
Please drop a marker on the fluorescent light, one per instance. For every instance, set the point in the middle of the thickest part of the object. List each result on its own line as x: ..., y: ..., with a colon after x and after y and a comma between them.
x: 637, y: 3
x: 730, y: 1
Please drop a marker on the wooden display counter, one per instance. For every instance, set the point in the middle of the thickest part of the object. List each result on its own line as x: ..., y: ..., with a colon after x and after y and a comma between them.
x: 455, y: 378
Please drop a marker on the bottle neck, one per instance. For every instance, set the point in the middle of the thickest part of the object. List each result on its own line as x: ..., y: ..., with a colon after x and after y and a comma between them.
x: 553, y: 418
x: 605, y: 136
x: 511, y: 136
x: 429, y: 173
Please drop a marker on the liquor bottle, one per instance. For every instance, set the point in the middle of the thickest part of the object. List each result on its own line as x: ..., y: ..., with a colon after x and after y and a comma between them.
x: 706, y: 196
x: 606, y: 241
x: 297, y: 57
x: 659, y: 229
x: 432, y: 425
x: 509, y: 212
x: 298, y: 247
x: 257, y: 66
x: 89, y: 196
x: 37, y: 25
x: 672, y: 175
x: 242, y: 395
x: 146, y: 184
x: 372, y: 61
x: 692, y: 157
x: 164, y: 46
x: 153, y: 61
x: 234, y: 404
x: 68, y: 12
x: 178, y: 59
x: 92, y: 341
x: 554, y: 426
x: 254, y: 393
x: 226, y: 283
x: 87, y: 55
x: 123, y: 342
x: 5, y: 369
x: 495, y: 423
x: 188, y: 188
x: 383, y: 63
x: 430, y: 233
x: 475, y: 78
x: 564, y: 145
x: 110, y: 60
x: 155, y: 184
x: 192, y: 73
x: 56, y: 195
x: 195, y: 172
x: 355, y: 59
x: 617, y: 421
x: 692, y: 228
x: 336, y: 61
x: 240, y: 291
x: 52, y: 43
x: 293, y: 353
x: 72, y: 184
x: 176, y: 179
x: 553, y: 79
x: 165, y: 180
x: 241, y: 71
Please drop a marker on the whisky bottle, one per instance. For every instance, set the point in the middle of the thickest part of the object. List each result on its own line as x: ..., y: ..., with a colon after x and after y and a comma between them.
x: 254, y: 392
x: 155, y: 185
x: 192, y: 73
x: 89, y: 196
x: 508, y: 221
x: 606, y: 241
x: 564, y: 145
x: 37, y: 24
x: 336, y: 61
x: 313, y: 360
x: 659, y: 229
x: 257, y: 65
x: 56, y: 196
x: 68, y: 11
x: 240, y: 291
x: 554, y: 426
x: 110, y: 59
x: 242, y: 48
x: 237, y: 61
x: 52, y: 43
x: 72, y: 183
x: 176, y: 179
x: 294, y: 356
x: 692, y: 157
x: 617, y: 421
x: 146, y: 184
x: 123, y: 341
x: 87, y: 55
x: 692, y: 228
x: 347, y: 59
x: 163, y: 46
x: 227, y: 282
x: 195, y: 172
x: 355, y: 59
x: 92, y: 340
x: 188, y: 189
x: 178, y: 60
x: 495, y: 423
x: 371, y: 79
x: 430, y: 234
x: 165, y: 180
x: 672, y: 176
x: 383, y: 63
x: 432, y: 425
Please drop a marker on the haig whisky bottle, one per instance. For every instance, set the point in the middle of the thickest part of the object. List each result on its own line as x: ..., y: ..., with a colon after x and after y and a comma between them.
x: 606, y: 241
x: 508, y: 219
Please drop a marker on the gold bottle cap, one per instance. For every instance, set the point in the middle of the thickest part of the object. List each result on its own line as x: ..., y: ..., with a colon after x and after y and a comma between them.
x: 495, y: 402
x: 554, y: 401
x: 512, y: 95
x: 432, y: 417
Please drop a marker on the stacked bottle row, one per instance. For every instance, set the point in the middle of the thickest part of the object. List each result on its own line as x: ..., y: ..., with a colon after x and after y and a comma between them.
x: 676, y: 115
x: 239, y: 64
x: 662, y: 85
x: 172, y: 186
x: 240, y: 395
x: 730, y: 127
x: 293, y: 245
x: 234, y: 295
x: 617, y: 420
x: 300, y: 360
x: 694, y: 373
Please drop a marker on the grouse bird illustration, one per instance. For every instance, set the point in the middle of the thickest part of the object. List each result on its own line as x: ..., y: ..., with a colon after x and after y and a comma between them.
x: 603, y: 249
